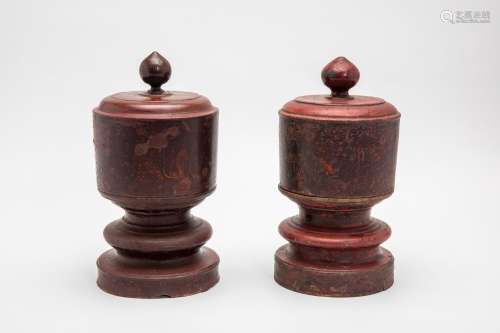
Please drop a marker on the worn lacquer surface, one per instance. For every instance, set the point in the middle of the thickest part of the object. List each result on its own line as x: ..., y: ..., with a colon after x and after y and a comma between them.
x: 156, y: 158
x: 337, y: 159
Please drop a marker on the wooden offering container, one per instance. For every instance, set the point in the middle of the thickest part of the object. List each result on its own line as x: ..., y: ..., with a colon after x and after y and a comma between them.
x: 337, y: 160
x: 156, y: 158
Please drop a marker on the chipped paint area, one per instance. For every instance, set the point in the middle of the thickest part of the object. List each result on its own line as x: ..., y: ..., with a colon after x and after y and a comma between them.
x: 157, y: 159
x: 338, y: 159
x: 157, y: 141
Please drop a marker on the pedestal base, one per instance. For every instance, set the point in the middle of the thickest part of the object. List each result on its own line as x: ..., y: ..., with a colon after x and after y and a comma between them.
x: 149, y: 278
x: 335, y: 281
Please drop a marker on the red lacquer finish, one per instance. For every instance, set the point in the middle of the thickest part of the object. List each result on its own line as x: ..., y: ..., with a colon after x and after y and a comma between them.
x: 156, y: 158
x: 337, y: 160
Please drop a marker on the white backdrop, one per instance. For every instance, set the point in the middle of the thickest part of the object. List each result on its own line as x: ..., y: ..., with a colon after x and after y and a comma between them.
x: 60, y: 58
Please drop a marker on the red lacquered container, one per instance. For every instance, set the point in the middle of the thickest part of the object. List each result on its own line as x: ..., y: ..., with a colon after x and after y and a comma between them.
x: 337, y: 160
x: 156, y: 158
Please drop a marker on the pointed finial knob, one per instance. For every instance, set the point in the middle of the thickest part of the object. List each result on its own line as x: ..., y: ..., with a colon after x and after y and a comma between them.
x: 155, y: 70
x: 340, y: 75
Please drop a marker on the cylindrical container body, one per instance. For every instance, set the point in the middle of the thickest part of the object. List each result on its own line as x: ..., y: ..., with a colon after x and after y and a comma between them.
x: 165, y: 159
x: 338, y: 158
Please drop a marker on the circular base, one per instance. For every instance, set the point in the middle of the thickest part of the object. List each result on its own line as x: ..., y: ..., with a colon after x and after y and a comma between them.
x: 147, y: 278
x: 335, y: 281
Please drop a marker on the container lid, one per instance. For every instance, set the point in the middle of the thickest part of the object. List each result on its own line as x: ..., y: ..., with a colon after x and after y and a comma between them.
x: 155, y: 103
x: 339, y: 75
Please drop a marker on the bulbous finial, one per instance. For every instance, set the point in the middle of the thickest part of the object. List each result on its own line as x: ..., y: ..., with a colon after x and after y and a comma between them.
x: 340, y: 75
x: 155, y: 70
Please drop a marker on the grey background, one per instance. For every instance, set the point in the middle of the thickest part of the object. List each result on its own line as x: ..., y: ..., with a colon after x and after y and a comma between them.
x: 59, y: 58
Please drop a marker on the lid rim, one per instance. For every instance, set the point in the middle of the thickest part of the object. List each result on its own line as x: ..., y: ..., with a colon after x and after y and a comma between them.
x: 346, y: 102
x: 154, y: 99
x: 387, y: 117
x: 156, y: 115
x: 168, y: 105
x: 380, y: 110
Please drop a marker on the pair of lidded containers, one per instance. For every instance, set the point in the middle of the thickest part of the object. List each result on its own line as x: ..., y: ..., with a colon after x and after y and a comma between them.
x: 156, y: 158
